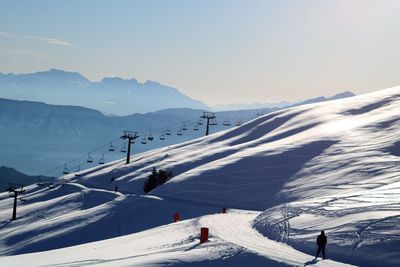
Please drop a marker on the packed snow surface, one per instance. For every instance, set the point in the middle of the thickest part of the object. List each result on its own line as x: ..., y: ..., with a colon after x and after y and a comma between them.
x: 233, y: 241
x: 284, y: 176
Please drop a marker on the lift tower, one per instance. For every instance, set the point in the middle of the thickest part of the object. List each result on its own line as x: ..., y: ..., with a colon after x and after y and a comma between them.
x: 15, y: 190
x: 208, y: 116
x: 131, y: 136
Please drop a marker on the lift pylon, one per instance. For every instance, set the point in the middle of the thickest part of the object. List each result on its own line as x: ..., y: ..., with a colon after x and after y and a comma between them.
x: 130, y: 136
x: 208, y: 116
x: 15, y: 190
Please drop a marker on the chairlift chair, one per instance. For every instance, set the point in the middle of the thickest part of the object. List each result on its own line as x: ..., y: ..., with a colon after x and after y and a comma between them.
x: 89, y: 158
x: 167, y: 132
x: 226, y: 122
x: 39, y: 182
x: 150, y: 138
x: 184, y: 127
x: 123, y: 148
x: 200, y: 122
x: 22, y: 198
x: 162, y: 136
x: 179, y: 132
x: 65, y: 171
x: 111, y: 148
x: 214, y: 122
x: 52, y: 185
x: 195, y: 128
x: 238, y: 123
x: 143, y: 140
x: 78, y: 169
x: 101, y: 161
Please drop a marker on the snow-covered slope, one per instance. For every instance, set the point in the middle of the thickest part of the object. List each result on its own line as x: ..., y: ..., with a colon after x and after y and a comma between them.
x: 176, y: 244
x: 330, y: 165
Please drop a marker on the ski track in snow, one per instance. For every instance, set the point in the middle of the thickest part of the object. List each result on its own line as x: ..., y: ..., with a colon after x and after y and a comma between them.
x: 231, y: 235
x: 235, y: 227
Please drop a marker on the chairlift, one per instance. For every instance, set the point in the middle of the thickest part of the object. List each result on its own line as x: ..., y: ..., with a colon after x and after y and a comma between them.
x: 184, y: 127
x: 200, y: 122
x: 78, y: 169
x: 52, y: 185
x: 226, y: 122
x: 65, y: 171
x: 39, y: 182
x: 179, y: 132
x: 167, y: 132
x: 238, y: 123
x: 111, y: 148
x: 101, y: 161
x: 195, y: 128
x: 143, y: 140
x: 150, y: 137
x: 162, y: 136
x: 214, y: 122
x: 89, y: 158
x: 123, y: 148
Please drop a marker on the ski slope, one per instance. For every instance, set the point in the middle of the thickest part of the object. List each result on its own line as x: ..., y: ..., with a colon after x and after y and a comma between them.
x: 289, y: 174
x: 233, y: 241
x: 362, y: 225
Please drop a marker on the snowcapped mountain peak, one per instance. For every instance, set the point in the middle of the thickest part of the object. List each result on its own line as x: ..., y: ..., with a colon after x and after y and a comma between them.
x: 118, y: 80
x: 127, y: 96
x: 151, y: 83
x: 342, y: 95
x: 61, y: 74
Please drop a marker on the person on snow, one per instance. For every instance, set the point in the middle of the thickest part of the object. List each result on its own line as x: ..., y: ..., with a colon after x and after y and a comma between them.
x: 321, y: 243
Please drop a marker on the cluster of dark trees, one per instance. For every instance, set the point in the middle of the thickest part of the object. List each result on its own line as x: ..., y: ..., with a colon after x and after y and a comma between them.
x: 156, y: 178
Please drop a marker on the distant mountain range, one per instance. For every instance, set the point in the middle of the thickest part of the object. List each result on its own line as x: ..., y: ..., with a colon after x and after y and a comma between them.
x: 11, y: 175
x: 283, y: 104
x: 35, y: 137
x: 113, y: 95
x: 344, y: 94
x: 238, y: 106
x: 110, y: 95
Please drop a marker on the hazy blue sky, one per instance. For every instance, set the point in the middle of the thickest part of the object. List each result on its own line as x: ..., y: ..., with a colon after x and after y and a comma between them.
x: 216, y: 51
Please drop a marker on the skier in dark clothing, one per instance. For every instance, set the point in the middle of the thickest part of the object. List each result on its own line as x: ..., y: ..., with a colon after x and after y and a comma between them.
x: 321, y: 243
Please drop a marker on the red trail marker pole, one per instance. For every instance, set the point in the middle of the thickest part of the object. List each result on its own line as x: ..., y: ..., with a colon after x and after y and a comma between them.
x: 203, y: 235
x: 177, y: 217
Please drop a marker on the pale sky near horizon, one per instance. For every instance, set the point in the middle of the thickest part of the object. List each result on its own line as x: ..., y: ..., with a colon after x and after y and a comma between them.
x: 216, y: 51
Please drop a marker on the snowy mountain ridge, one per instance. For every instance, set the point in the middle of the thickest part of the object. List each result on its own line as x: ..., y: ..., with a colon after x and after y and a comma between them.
x: 111, y: 95
x: 284, y: 176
